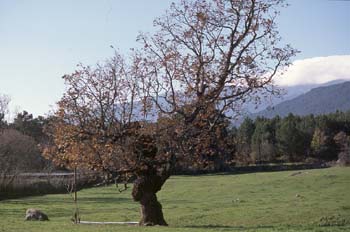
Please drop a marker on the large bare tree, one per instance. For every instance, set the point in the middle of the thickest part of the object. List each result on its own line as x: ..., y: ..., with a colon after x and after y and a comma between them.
x: 205, y: 60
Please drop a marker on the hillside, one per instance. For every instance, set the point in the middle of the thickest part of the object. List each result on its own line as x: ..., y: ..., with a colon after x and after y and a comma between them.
x: 307, y: 200
x: 321, y: 100
x: 288, y: 93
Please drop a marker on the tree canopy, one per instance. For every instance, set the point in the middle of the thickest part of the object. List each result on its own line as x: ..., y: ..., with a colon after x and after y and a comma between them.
x: 204, y: 61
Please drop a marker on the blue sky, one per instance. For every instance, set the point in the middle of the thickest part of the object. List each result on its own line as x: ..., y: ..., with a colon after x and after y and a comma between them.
x: 317, y: 27
x: 41, y: 40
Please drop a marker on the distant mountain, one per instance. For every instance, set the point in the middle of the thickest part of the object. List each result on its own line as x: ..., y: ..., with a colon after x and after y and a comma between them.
x: 320, y: 100
x: 277, y: 105
x: 289, y: 92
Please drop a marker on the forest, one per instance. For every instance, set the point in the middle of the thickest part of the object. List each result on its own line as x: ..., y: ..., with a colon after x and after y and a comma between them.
x: 320, y: 138
x: 292, y: 139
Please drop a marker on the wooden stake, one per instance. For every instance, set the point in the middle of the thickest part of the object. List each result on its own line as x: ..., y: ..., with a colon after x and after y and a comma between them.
x: 76, y: 213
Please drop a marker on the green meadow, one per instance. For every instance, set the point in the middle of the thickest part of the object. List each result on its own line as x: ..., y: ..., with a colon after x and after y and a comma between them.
x: 307, y: 200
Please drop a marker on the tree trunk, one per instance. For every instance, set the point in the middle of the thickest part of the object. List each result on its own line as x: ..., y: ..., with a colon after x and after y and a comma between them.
x: 151, y: 211
x: 144, y: 191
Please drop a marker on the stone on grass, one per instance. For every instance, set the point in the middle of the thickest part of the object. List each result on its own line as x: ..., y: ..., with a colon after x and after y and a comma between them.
x: 35, y: 215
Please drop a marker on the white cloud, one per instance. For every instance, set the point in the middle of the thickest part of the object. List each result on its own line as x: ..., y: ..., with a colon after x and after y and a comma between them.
x: 316, y: 70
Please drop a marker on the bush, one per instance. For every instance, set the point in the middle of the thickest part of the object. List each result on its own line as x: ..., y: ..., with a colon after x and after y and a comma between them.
x: 18, y: 153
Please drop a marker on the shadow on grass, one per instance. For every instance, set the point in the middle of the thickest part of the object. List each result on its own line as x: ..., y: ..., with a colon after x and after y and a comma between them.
x: 271, y: 228
x: 236, y: 170
x: 174, y: 202
x: 104, y: 200
x: 242, y: 228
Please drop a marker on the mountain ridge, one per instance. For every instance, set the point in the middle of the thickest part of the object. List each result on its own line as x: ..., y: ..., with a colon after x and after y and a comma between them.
x: 319, y: 100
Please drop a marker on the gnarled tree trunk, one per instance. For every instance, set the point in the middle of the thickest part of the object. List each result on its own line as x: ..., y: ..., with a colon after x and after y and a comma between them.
x: 144, y: 191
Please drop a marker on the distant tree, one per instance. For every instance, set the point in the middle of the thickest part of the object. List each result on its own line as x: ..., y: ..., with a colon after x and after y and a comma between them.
x: 263, y: 141
x: 325, y: 123
x: 206, y: 56
x: 4, y: 102
x: 18, y: 153
x: 340, y: 122
x: 319, y: 143
x: 28, y: 125
x: 307, y: 126
x: 244, y: 140
x: 323, y: 145
x: 290, y: 139
x: 343, y: 142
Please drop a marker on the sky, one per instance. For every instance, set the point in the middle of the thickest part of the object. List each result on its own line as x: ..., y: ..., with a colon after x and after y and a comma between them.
x: 41, y: 40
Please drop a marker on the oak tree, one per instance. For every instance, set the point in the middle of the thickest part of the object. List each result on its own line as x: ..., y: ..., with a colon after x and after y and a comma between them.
x: 204, y: 61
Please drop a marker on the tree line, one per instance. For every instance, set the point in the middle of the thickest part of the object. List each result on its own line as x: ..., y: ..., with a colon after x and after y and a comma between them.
x: 293, y: 139
x: 306, y: 139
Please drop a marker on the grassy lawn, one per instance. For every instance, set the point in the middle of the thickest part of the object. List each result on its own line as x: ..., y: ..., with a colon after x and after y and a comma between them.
x: 311, y: 200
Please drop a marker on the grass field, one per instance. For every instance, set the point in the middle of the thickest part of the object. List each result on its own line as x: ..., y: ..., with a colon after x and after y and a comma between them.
x: 309, y: 200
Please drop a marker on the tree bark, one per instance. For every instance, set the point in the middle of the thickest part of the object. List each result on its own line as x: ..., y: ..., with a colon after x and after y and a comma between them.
x: 144, y: 191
